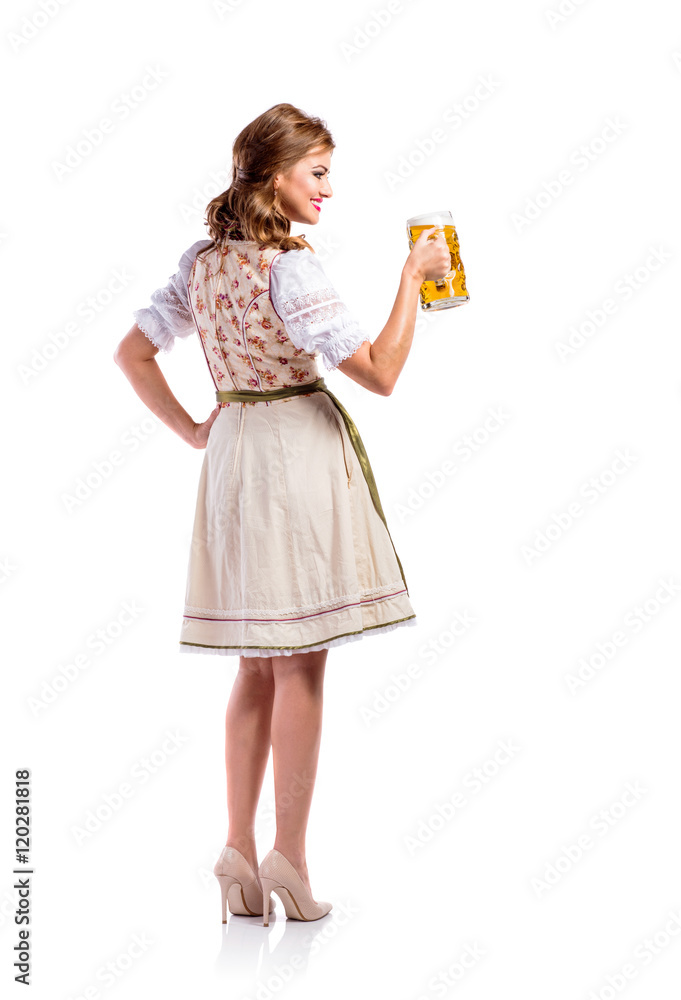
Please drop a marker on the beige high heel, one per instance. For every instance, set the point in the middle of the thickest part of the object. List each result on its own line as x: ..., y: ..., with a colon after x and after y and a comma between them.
x: 238, y: 885
x: 278, y: 874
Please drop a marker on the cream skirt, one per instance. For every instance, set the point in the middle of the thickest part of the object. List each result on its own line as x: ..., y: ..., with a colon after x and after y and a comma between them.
x: 288, y: 553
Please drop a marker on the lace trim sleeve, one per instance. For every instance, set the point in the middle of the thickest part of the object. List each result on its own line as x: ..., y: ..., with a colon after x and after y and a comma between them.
x: 168, y: 316
x: 314, y: 316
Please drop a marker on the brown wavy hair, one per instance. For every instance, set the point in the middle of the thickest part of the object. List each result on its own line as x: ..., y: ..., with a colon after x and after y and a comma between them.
x: 273, y: 143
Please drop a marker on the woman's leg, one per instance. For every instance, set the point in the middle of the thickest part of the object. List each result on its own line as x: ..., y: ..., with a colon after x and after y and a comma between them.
x: 296, y: 736
x: 247, y: 749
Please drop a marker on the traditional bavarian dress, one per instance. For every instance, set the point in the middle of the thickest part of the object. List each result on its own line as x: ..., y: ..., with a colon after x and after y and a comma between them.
x: 290, y: 549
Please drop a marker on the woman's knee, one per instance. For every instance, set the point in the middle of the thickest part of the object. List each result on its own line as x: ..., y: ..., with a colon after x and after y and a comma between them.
x: 305, y: 667
x: 256, y: 666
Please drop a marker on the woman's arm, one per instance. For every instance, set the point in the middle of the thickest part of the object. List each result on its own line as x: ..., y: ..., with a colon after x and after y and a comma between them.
x: 136, y: 357
x: 377, y: 366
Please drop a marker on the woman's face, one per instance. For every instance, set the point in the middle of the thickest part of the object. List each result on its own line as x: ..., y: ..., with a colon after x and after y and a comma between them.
x: 301, y: 191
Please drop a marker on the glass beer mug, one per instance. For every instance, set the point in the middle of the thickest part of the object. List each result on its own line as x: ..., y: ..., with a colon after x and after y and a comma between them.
x: 450, y: 290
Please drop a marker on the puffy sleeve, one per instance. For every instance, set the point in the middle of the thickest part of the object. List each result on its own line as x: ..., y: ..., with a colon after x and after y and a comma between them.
x: 314, y: 317
x: 168, y: 315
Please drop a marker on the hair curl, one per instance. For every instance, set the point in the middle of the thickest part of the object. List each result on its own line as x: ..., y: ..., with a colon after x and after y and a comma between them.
x: 272, y: 143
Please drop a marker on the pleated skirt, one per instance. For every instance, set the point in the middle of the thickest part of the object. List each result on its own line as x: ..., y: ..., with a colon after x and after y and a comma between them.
x: 288, y: 552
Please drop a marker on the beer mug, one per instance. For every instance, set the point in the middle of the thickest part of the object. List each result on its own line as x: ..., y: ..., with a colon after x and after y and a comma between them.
x: 450, y: 290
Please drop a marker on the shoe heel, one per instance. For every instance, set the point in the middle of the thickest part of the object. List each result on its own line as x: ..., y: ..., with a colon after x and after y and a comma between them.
x: 267, y: 885
x: 294, y: 894
x: 226, y: 882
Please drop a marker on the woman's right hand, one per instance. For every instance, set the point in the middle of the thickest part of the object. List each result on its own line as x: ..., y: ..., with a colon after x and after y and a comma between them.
x: 201, y: 432
x: 429, y: 259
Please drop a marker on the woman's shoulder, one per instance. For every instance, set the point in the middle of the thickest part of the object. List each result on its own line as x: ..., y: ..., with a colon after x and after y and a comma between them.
x: 189, y: 256
x: 300, y: 265
x: 195, y: 248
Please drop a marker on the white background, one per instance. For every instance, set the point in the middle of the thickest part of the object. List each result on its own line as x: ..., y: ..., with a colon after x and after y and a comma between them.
x: 504, y: 878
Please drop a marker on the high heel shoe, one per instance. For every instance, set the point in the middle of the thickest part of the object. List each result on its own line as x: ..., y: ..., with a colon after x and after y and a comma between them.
x: 238, y: 885
x: 278, y: 874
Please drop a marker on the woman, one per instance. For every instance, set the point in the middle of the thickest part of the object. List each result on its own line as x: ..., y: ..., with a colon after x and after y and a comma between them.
x: 291, y: 552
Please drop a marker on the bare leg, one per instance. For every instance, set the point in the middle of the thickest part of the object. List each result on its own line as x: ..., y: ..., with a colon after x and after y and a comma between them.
x: 296, y: 736
x: 247, y: 749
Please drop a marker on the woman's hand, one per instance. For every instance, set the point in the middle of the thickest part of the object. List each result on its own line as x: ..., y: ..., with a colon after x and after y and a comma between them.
x: 136, y: 357
x: 429, y: 259
x: 199, y: 437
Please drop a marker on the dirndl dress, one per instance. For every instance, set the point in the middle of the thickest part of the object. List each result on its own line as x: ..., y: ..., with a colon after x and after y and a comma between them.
x: 290, y: 549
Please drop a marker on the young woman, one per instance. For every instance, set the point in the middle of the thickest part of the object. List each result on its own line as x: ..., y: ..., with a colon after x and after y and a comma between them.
x: 291, y: 553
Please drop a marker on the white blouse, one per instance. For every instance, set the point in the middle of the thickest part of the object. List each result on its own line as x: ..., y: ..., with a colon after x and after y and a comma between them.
x: 314, y: 317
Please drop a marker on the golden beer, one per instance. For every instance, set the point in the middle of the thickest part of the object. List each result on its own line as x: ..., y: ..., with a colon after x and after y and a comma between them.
x: 450, y: 290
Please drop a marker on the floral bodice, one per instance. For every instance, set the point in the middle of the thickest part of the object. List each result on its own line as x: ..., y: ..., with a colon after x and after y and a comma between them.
x: 263, y: 315
x: 244, y: 339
